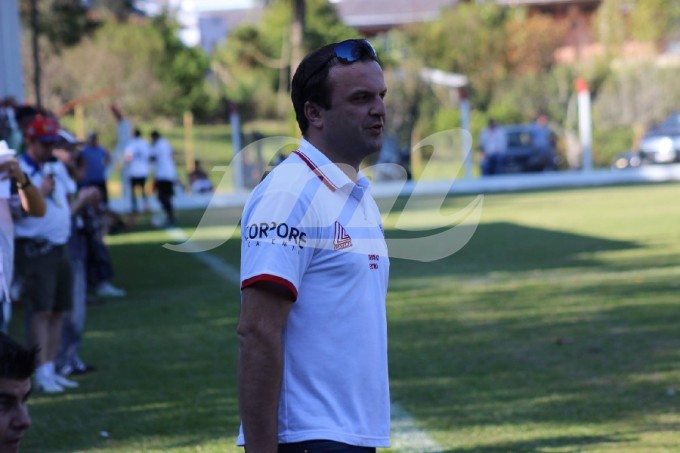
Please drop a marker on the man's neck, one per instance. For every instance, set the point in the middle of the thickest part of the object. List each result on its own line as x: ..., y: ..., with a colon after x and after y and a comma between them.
x: 351, y: 169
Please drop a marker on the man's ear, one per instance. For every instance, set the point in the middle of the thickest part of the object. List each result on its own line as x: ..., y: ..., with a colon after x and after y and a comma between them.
x: 314, y: 114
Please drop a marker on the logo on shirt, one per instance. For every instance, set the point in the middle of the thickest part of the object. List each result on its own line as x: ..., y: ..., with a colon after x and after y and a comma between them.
x: 277, y: 233
x: 341, y: 239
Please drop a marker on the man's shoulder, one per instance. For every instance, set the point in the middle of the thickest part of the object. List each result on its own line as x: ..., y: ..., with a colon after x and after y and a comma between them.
x: 287, y: 184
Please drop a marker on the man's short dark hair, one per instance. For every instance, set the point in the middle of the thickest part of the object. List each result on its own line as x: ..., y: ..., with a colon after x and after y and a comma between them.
x: 16, y: 362
x: 310, y: 82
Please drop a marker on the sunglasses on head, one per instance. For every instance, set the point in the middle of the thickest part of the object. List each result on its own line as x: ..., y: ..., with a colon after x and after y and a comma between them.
x: 347, y: 52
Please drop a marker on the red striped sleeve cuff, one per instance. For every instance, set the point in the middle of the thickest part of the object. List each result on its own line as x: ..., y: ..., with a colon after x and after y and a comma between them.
x: 273, y: 279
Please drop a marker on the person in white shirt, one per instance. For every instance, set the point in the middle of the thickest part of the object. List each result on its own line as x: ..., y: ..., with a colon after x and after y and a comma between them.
x: 42, y: 259
x: 314, y: 269
x: 15, y: 186
x: 166, y: 174
x: 493, y: 142
x: 137, y: 157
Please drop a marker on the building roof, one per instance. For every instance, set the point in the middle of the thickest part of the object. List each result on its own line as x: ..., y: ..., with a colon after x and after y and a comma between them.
x: 378, y: 15
x: 543, y: 2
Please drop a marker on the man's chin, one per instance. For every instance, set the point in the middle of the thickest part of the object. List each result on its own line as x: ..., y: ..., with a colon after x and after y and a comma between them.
x: 374, y: 146
x: 10, y: 446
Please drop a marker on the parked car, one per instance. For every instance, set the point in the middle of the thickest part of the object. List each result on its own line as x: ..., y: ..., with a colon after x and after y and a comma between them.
x: 628, y: 159
x: 522, y: 154
x: 661, y: 144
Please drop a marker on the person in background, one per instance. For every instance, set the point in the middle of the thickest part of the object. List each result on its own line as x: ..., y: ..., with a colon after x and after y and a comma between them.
x: 314, y: 270
x: 123, y: 136
x: 68, y: 361
x: 17, y: 365
x: 165, y: 174
x: 94, y: 159
x: 42, y: 261
x: 493, y: 142
x: 544, y: 140
x: 91, y: 163
x: 15, y: 190
x: 198, y: 179
x: 137, y: 157
x: 9, y: 126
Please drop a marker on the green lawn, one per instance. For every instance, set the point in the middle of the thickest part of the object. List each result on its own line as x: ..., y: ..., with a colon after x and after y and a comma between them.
x: 555, y: 329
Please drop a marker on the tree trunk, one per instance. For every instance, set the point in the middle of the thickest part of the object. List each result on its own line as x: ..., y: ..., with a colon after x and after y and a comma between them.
x: 296, y: 34
x: 36, y: 51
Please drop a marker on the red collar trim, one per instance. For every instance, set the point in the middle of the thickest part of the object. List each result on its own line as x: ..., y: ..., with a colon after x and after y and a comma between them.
x: 316, y: 171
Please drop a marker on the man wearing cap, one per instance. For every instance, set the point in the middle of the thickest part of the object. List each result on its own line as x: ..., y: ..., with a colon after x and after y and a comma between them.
x: 15, y: 189
x: 314, y: 270
x: 42, y: 259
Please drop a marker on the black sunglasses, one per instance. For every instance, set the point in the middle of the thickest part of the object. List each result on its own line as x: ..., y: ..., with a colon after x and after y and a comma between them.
x: 347, y: 52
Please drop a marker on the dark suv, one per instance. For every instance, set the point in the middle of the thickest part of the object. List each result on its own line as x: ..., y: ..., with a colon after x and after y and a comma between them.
x: 523, y: 153
x: 661, y: 145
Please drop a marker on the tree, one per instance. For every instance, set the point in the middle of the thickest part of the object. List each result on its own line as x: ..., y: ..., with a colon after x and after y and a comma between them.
x: 154, y: 73
x: 469, y: 39
x: 531, y: 42
x: 120, y: 9
x: 654, y: 20
x: 181, y: 70
x: 63, y: 22
x: 255, y: 62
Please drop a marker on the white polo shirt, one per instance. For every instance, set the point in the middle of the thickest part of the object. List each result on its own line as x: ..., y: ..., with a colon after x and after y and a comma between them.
x: 165, y: 164
x: 137, y: 155
x: 308, y: 227
x: 55, y: 225
x: 493, y: 141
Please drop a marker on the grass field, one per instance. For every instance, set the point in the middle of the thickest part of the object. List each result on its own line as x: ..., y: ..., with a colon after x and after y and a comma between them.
x: 555, y: 329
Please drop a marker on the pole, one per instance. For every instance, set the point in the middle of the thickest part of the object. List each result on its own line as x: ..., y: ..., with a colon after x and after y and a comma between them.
x: 237, y: 160
x: 36, y: 51
x: 11, y: 75
x: 79, y: 111
x: 188, y: 141
x: 584, y: 124
x: 465, y: 125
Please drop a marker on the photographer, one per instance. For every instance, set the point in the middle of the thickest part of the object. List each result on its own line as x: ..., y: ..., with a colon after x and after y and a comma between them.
x: 42, y: 259
x: 16, y: 193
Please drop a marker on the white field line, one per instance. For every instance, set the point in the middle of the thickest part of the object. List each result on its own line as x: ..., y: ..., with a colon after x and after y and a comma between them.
x: 406, y: 437
x: 220, y: 267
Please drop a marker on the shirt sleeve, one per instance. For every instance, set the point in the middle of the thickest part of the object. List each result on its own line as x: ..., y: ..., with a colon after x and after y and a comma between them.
x: 276, y: 245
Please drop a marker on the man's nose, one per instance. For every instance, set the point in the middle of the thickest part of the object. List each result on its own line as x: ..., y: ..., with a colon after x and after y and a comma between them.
x: 22, y: 420
x: 378, y: 107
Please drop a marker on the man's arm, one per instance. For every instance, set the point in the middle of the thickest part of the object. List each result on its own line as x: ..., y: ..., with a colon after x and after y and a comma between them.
x: 265, y: 308
x: 86, y: 196
x: 31, y: 201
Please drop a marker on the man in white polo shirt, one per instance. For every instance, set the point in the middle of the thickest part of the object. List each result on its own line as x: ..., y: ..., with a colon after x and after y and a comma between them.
x: 42, y: 261
x: 15, y: 185
x: 166, y: 174
x: 314, y: 271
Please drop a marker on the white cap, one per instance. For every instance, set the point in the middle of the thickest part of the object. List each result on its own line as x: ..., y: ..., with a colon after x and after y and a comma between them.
x: 5, y: 150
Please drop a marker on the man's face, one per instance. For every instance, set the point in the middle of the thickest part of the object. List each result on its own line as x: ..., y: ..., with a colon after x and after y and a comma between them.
x: 41, y: 152
x: 14, y: 418
x: 354, y: 125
